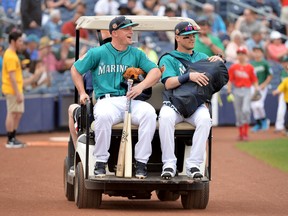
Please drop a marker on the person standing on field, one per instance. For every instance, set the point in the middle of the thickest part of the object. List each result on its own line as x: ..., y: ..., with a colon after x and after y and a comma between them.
x: 241, y: 78
x: 12, y: 88
x: 264, y: 76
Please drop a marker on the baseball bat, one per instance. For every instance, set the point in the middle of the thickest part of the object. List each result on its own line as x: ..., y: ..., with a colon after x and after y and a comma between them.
x: 124, y: 138
x: 128, y: 149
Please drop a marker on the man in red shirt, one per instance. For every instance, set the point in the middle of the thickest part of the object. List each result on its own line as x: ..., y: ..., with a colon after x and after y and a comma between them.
x: 241, y: 78
x: 68, y: 28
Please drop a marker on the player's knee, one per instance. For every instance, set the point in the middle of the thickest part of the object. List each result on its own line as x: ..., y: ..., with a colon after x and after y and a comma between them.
x: 204, y: 121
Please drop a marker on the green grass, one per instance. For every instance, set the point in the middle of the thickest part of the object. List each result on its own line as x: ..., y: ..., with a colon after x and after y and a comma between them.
x: 273, y: 152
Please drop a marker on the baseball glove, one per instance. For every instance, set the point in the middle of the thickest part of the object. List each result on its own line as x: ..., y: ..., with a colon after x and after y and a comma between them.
x: 137, y: 74
x: 256, y: 96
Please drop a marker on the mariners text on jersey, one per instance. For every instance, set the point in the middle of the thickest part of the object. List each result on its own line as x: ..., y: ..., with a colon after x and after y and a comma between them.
x: 103, y: 69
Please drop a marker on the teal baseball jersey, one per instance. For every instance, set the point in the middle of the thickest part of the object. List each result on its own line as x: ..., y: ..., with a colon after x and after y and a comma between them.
x: 171, y: 67
x: 107, y: 66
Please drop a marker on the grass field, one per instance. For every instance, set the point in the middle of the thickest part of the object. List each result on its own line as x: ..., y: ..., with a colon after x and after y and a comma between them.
x: 272, y: 152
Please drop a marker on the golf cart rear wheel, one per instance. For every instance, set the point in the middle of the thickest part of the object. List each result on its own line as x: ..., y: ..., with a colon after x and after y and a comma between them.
x: 85, y: 198
x: 68, y: 188
x: 196, y: 199
x: 164, y: 195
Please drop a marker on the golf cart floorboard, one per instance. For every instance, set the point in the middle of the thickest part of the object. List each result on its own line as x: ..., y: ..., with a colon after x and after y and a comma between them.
x: 152, y: 182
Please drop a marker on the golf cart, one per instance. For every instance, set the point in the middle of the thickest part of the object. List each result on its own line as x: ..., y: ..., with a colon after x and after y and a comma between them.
x: 79, y: 181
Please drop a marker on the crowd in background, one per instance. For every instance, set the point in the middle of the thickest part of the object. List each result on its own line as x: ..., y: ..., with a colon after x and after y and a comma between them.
x: 49, y: 27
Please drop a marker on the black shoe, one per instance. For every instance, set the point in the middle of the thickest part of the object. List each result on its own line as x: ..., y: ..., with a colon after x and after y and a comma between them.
x: 14, y: 143
x: 194, y: 173
x: 141, y: 170
x: 100, y: 169
x: 168, y: 173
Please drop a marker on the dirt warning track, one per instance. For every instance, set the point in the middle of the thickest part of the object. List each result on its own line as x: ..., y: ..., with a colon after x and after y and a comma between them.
x: 32, y: 183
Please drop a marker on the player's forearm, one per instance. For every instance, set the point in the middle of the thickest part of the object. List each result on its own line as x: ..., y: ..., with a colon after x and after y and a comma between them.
x: 152, y: 78
x: 78, y: 80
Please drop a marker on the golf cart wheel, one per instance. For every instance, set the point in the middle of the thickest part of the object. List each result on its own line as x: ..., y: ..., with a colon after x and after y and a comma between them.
x: 68, y: 188
x: 164, y: 195
x: 196, y: 199
x: 85, y: 198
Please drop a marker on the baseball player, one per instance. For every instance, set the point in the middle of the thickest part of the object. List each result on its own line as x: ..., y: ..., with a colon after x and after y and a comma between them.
x: 107, y: 64
x: 242, y: 77
x: 264, y: 76
x: 173, y: 76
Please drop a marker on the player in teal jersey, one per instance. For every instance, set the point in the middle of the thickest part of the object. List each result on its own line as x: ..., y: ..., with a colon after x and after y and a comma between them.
x: 107, y: 64
x: 173, y: 76
x: 264, y: 76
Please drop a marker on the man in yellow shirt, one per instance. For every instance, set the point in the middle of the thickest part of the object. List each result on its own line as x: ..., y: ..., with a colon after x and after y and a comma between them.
x: 12, y: 88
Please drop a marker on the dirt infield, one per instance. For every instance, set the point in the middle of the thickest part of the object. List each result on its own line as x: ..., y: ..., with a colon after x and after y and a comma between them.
x: 32, y: 184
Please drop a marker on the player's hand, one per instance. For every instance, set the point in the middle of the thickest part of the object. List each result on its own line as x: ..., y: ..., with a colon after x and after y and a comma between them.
x: 83, y: 98
x: 135, y: 91
x: 215, y: 58
x: 19, y: 98
x: 230, y: 98
x: 200, y: 78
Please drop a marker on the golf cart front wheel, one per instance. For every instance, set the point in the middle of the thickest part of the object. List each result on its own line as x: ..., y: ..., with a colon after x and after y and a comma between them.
x: 85, y: 198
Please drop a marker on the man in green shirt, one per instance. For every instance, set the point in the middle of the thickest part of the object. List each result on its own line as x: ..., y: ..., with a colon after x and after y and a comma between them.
x: 205, y: 41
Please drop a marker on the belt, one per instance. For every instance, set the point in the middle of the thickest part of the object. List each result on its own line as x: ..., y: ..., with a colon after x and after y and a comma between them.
x: 107, y: 96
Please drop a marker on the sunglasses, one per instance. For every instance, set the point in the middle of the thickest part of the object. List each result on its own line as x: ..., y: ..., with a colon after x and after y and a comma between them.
x: 186, y: 29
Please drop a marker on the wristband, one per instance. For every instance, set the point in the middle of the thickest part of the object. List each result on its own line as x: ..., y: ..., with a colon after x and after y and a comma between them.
x: 183, y: 78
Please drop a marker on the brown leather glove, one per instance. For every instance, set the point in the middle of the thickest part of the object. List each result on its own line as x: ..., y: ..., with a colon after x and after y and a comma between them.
x: 256, y: 96
x: 133, y: 73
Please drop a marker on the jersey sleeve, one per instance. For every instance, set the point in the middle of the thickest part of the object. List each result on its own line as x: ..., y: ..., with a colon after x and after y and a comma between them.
x: 168, y: 67
x: 87, y: 61
x: 144, y: 62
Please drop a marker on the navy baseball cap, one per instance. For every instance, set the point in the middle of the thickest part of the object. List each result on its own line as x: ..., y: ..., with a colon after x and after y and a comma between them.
x: 185, y: 28
x: 120, y: 22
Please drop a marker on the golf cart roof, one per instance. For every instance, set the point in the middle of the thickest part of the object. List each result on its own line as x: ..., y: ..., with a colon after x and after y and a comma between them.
x: 146, y: 23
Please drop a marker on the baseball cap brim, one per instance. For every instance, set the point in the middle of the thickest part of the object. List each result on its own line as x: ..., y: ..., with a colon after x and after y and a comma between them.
x: 189, y: 32
x: 133, y: 24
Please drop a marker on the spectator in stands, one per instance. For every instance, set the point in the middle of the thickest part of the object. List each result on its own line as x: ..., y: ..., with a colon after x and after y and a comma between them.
x: 9, y: 7
x: 68, y: 27
x: 106, y: 7
x: 150, y: 7
x: 241, y: 78
x: 12, y: 88
x: 65, y: 54
x: 66, y: 7
x: 264, y: 77
x: 237, y: 41
x: 284, y: 14
x: 256, y: 40
x: 50, y: 63
x: 276, y: 49
x: 38, y: 81
x: 179, y: 7
x: 31, y: 15
x: 147, y: 47
x: 205, y: 41
x: 248, y: 23
x: 52, y: 28
x: 281, y: 110
x: 283, y: 88
x: 132, y: 7
x: 218, y: 24
x: 32, y: 43
x: 266, y: 6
